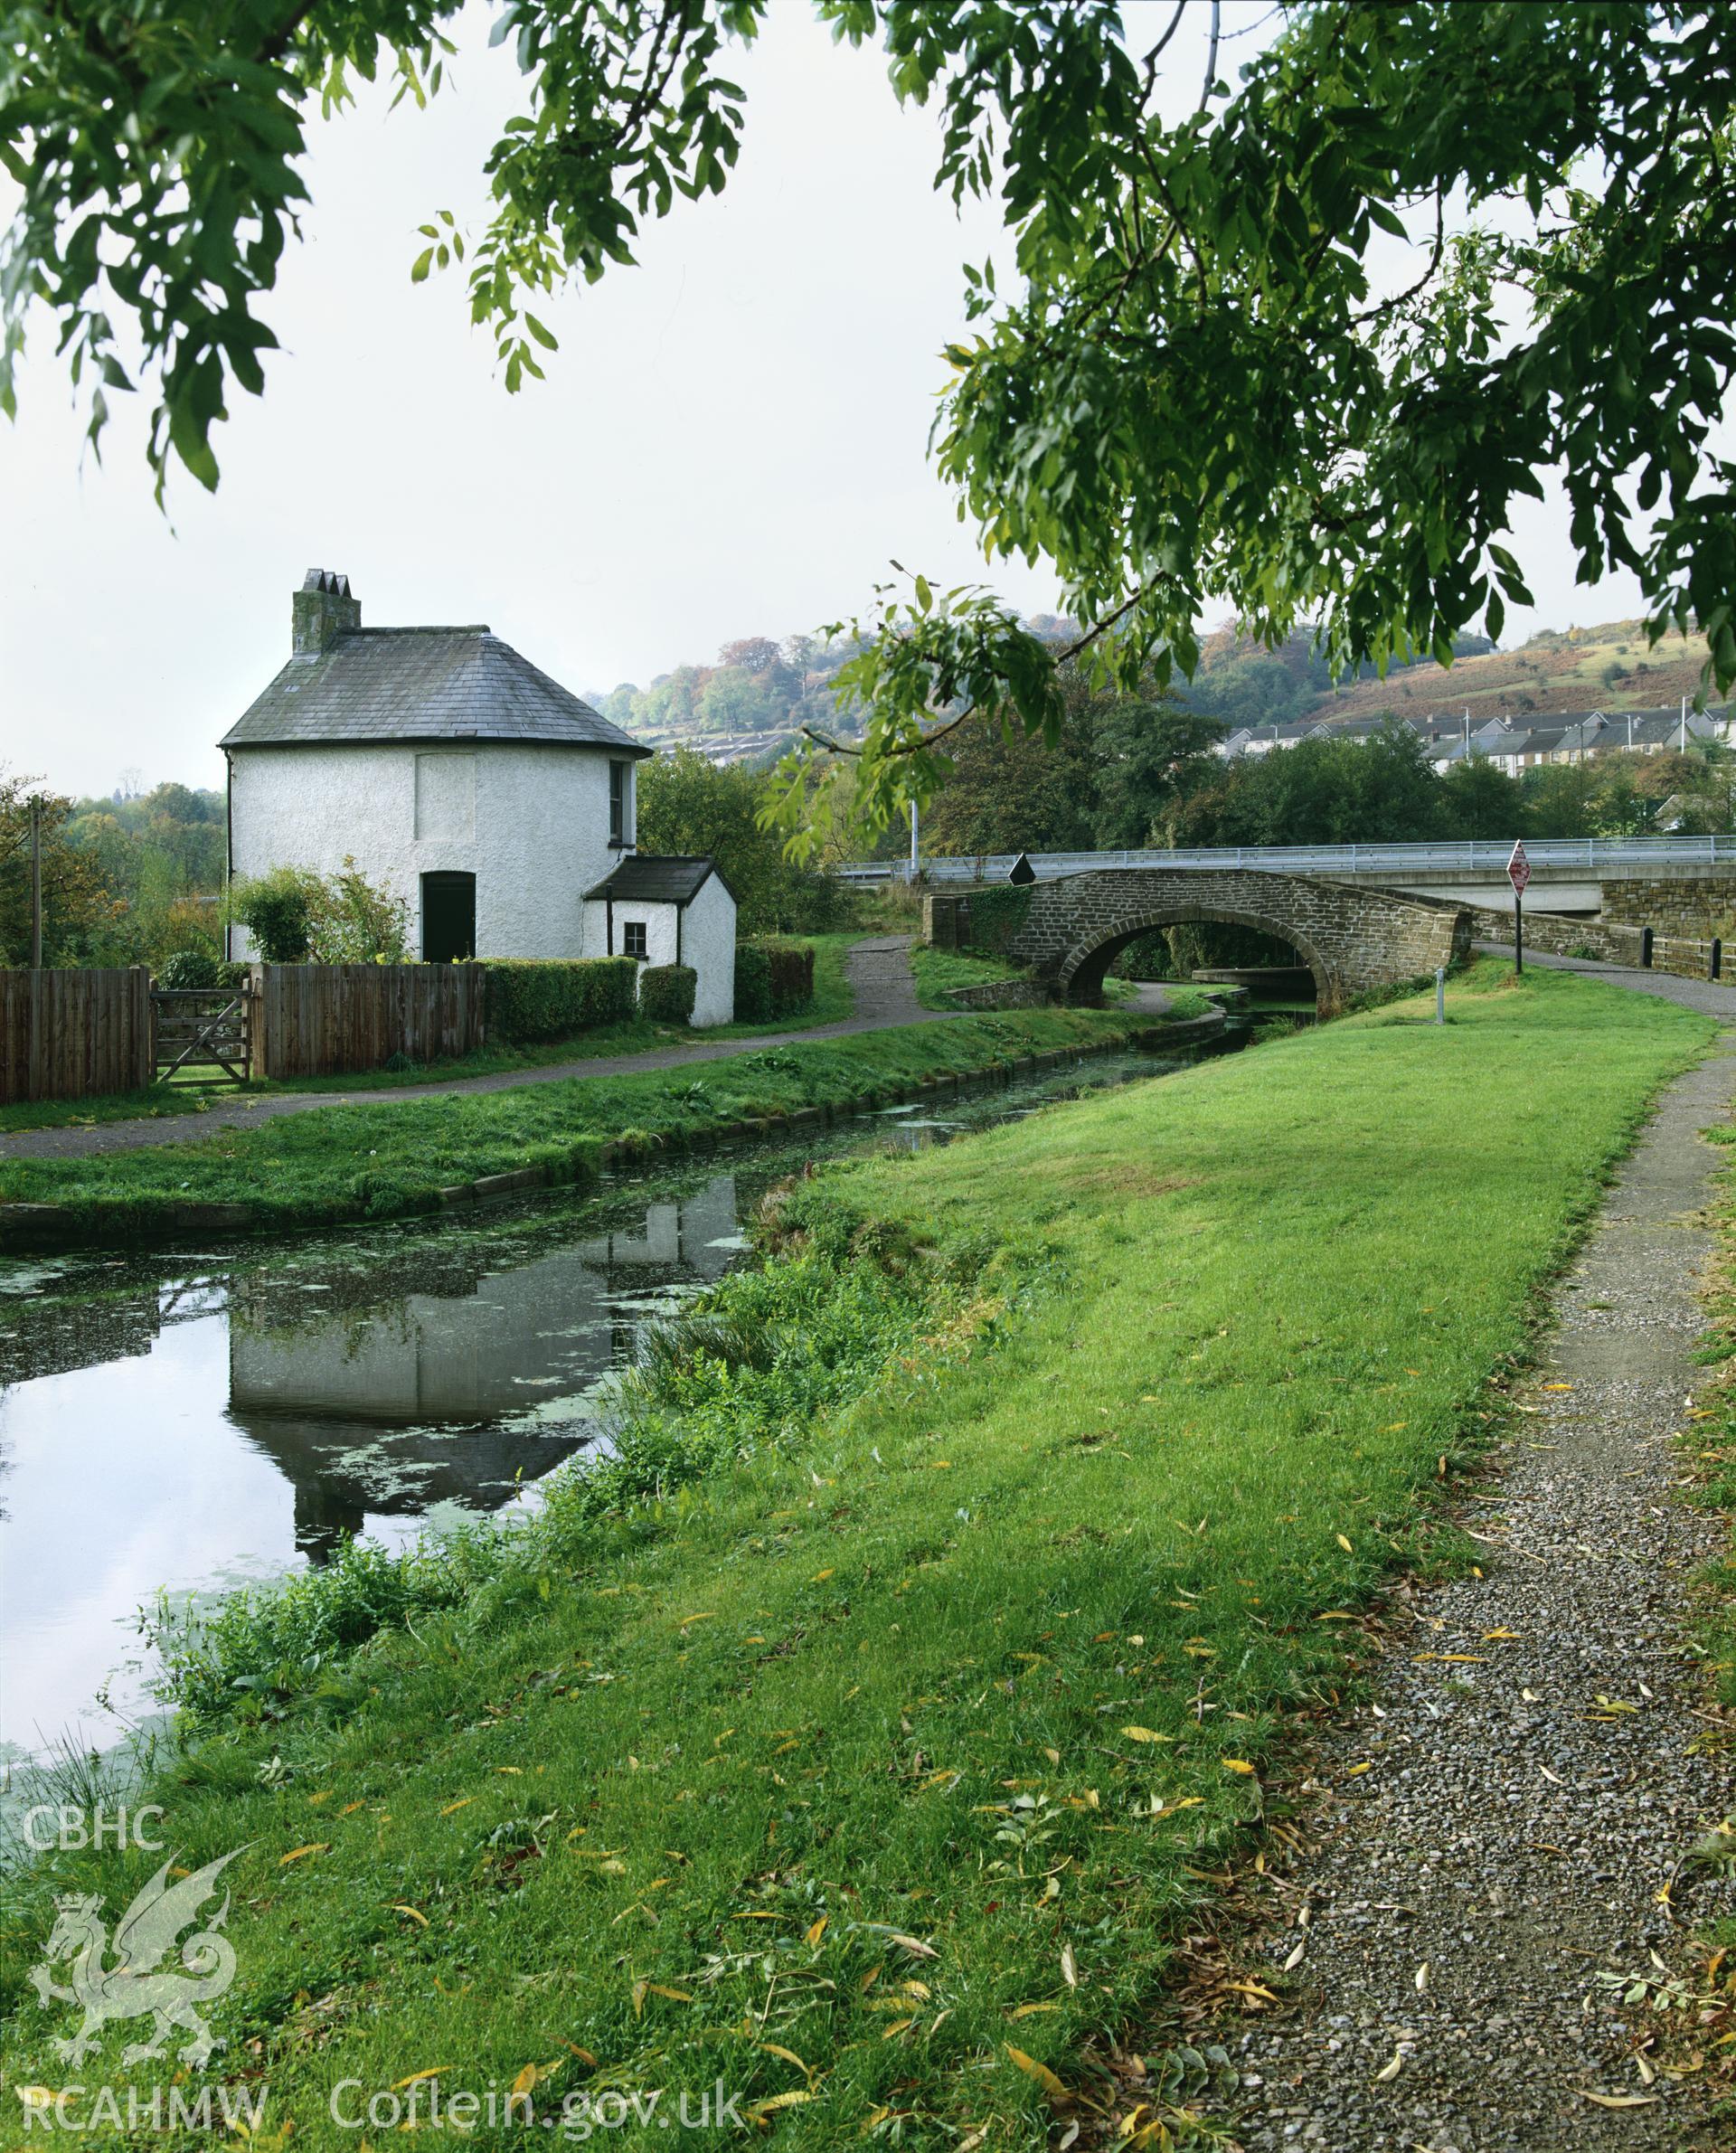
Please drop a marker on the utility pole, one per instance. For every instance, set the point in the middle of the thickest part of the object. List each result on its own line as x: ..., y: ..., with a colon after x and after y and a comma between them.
x: 36, y: 882
x: 912, y: 840
x: 1684, y: 724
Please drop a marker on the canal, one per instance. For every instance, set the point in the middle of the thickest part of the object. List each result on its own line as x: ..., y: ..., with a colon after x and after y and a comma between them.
x: 188, y: 1423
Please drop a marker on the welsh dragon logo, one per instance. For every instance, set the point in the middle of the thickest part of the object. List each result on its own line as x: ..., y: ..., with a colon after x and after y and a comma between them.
x: 139, y: 1985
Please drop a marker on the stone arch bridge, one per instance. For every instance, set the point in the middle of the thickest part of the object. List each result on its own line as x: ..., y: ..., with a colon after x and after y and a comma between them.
x: 1352, y: 938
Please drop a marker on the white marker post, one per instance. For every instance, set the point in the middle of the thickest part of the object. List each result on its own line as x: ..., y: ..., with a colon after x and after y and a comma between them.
x: 1518, y: 875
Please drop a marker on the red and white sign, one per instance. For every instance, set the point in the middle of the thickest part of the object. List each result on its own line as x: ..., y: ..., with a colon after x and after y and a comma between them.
x: 1518, y: 870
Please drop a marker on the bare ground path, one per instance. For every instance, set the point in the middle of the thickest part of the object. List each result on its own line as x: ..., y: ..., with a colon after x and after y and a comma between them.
x: 1532, y: 1764
x: 879, y: 971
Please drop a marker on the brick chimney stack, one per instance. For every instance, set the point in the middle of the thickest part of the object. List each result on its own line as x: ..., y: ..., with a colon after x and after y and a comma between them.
x: 320, y: 611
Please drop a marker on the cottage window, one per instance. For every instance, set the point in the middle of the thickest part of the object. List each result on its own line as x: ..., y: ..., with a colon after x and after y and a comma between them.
x: 619, y: 774
x: 633, y: 941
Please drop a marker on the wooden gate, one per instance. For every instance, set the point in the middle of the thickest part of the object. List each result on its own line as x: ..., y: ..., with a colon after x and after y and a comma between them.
x: 199, y: 1030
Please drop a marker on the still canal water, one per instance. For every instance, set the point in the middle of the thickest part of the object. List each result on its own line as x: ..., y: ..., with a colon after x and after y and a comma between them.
x: 195, y: 1423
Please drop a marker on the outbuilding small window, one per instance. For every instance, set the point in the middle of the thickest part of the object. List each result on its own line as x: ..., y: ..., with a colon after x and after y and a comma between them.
x: 633, y: 942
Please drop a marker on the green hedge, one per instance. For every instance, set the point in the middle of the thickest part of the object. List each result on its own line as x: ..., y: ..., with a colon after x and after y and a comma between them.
x: 773, y: 979
x: 667, y: 993
x: 532, y: 1000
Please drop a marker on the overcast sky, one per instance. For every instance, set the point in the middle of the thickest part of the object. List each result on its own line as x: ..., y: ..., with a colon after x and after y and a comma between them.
x: 732, y: 441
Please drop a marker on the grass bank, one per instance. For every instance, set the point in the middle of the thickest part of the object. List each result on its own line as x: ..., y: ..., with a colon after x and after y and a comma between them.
x: 938, y: 971
x: 864, y: 1742
x: 834, y: 1003
x: 391, y: 1160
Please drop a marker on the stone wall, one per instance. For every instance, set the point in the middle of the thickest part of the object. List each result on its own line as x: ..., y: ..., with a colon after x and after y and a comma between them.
x: 1676, y: 905
x: 1352, y: 939
x: 1684, y: 957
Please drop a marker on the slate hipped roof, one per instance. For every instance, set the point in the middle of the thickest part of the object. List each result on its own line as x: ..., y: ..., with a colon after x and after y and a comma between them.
x: 656, y: 878
x: 366, y: 685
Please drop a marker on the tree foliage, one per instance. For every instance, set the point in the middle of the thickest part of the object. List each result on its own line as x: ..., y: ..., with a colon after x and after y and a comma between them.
x: 79, y: 908
x: 1203, y: 386
x: 687, y: 804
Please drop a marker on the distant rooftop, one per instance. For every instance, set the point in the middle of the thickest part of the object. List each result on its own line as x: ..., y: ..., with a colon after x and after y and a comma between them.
x: 351, y: 683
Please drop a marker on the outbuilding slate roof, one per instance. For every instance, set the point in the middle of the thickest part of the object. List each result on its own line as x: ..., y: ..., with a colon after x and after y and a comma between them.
x: 375, y: 684
x: 654, y: 878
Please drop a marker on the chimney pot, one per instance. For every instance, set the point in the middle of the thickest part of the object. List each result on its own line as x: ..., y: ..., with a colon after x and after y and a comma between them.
x: 320, y: 611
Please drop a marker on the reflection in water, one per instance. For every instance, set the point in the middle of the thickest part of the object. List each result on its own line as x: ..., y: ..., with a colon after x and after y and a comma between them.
x: 432, y: 1396
x: 196, y: 1424
x: 201, y: 1434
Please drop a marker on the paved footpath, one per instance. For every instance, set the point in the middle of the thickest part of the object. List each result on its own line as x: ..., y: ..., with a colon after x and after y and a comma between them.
x: 879, y: 971
x: 1533, y: 1761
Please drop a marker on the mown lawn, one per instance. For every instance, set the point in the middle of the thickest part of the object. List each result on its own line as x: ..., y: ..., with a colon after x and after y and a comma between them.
x: 834, y: 1003
x: 876, y: 1771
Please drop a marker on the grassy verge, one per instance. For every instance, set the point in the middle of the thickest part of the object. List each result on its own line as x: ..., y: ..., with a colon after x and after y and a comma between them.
x: 937, y: 971
x: 865, y: 1741
x: 834, y: 1003
x: 344, y: 1162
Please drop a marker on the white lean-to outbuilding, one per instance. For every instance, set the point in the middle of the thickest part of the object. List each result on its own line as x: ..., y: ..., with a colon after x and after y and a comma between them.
x: 664, y: 910
x: 487, y: 797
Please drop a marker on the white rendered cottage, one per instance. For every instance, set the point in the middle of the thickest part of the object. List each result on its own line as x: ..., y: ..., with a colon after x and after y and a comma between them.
x: 477, y: 789
x: 666, y: 909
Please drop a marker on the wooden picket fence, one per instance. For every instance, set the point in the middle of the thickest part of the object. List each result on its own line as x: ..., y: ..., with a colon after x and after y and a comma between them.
x: 324, y: 1019
x: 71, y: 1034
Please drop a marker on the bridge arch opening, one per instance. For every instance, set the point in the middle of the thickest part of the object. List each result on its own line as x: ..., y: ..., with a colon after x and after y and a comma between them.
x: 1085, y: 967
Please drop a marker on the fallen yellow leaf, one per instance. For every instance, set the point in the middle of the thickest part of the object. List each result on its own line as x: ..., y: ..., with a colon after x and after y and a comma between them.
x: 1144, y: 1735
x: 1044, y: 2077
x: 1236, y: 1764
x: 398, y: 1906
x: 764, y: 2108
x: 295, y: 1853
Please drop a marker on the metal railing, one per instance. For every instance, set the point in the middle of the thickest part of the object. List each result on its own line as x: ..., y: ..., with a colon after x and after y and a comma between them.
x: 1470, y: 855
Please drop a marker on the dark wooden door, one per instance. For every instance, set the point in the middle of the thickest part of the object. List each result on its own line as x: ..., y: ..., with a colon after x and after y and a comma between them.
x: 448, y: 918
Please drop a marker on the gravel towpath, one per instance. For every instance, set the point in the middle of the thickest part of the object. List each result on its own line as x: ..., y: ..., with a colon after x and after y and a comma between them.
x: 878, y: 970
x: 1504, y: 1828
